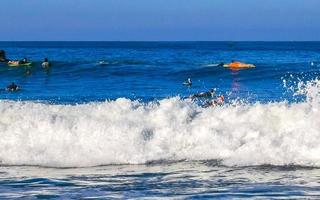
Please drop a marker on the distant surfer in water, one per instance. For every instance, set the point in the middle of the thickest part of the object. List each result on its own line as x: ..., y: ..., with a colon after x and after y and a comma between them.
x: 220, y: 64
x: 209, y: 94
x: 12, y: 87
x: 23, y: 61
x: 219, y: 101
x: 18, y: 62
x: 238, y: 65
x: 3, y: 56
x: 188, y: 82
x: 102, y: 62
x: 213, y: 100
x: 45, y: 63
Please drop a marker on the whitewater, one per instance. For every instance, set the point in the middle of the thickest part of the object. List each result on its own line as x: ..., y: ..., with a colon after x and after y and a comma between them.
x: 132, y: 132
x: 113, y: 120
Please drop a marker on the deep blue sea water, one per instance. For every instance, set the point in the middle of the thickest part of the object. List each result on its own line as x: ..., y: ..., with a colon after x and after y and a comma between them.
x: 154, y: 70
x: 127, y: 129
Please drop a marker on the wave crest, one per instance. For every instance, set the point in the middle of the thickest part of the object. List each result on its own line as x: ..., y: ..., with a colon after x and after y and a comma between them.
x: 131, y: 132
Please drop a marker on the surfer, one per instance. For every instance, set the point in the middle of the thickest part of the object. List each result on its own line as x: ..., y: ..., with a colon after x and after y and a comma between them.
x: 209, y: 94
x: 236, y: 65
x: 17, y: 63
x: 45, y: 63
x: 3, y: 56
x: 220, y: 64
x: 188, y: 82
x: 14, y: 62
x: 102, y: 62
x: 219, y: 101
x: 12, y: 87
x: 23, y: 61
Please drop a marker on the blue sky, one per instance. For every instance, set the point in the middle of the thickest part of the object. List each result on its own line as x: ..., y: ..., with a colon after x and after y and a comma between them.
x: 158, y: 20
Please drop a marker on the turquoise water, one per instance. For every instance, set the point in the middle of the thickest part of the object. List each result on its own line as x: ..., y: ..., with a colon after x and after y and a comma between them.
x: 125, y: 128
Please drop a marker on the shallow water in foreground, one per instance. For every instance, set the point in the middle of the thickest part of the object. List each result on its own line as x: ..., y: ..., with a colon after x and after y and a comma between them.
x: 182, y: 180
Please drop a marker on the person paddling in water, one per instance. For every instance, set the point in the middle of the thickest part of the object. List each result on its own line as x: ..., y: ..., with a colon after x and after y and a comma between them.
x: 213, y: 100
x: 45, y: 63
x: 188, y: 82
x: 219, y: 101
x: 238, y: 65
x: 12, y: 87
x: 23, y: 61
x: 209, y: 94
x: 18, y: 62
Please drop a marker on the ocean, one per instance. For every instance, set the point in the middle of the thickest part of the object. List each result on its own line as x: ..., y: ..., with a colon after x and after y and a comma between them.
x: 113, y: 120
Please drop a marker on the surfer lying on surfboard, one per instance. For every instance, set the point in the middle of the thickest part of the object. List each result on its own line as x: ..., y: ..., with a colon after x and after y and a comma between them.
x: 209, y: 94
x: 218, y: 101
x: 233, y: 65
x: 213, y: 100
x: 237, y: 65
x: 17, y: 63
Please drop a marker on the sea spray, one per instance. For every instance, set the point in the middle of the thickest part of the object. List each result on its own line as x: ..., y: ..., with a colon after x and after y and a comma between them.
x: 172, y: 129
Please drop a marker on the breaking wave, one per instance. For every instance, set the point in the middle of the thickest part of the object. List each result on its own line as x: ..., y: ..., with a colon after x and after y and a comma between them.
x: 131, y: 132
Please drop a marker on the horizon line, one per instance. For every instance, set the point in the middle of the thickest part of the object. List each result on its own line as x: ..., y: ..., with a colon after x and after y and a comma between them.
x: 160, y: 41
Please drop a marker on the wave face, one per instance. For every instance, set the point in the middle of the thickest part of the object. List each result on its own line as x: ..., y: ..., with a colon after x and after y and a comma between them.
x: 131, y: 132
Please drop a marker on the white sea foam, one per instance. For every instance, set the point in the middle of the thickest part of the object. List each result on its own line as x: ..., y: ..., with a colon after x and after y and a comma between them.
x: 130, y: 132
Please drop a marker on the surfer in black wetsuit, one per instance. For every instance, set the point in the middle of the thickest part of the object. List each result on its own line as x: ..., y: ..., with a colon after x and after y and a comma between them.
x: 12, y: 87
x: 188, y: 82
x: 218, y: 101
x: 209, y: 94
x: 221, y: 64
x: 3, y: 56
x: 23, y: 61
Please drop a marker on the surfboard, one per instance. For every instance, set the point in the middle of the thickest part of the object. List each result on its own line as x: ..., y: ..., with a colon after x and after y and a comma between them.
x: 29, y: 64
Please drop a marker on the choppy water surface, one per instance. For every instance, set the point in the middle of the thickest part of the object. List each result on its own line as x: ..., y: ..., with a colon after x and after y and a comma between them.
x: 125, y: 128
x: 182, y: 180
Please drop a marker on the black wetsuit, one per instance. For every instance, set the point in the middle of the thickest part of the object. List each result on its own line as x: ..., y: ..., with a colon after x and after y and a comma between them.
x: 221, y: 64
x: 12, y: 87
x: 3, y: 56
x: 203, y: 94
